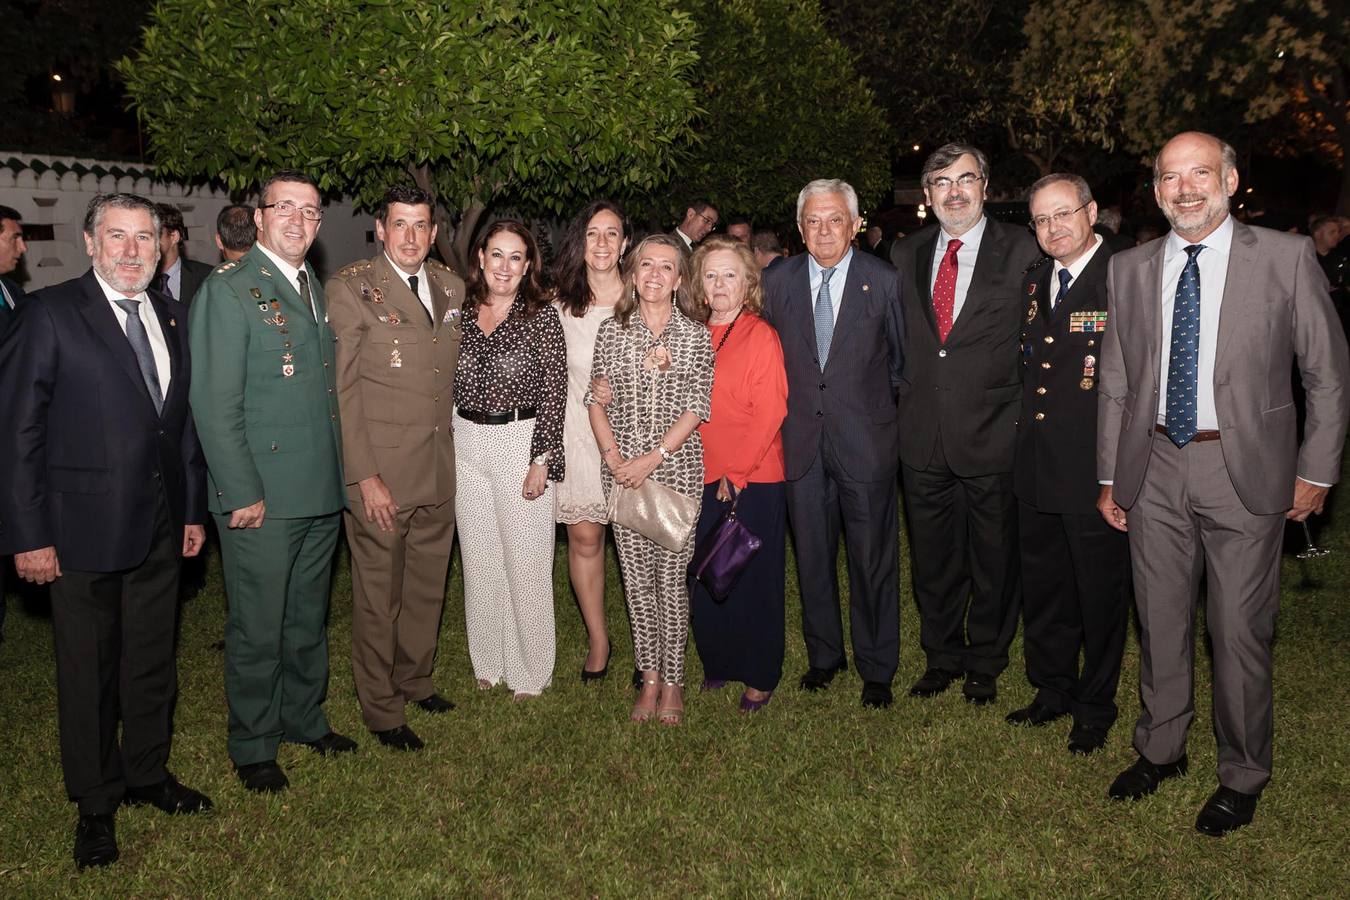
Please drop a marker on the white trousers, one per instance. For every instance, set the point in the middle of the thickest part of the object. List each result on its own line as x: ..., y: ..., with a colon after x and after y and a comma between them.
x: 506, y: 543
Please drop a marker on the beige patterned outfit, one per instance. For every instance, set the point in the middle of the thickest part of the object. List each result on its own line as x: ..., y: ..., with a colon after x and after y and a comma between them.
x: 581, y: 497
x: 647, y: 401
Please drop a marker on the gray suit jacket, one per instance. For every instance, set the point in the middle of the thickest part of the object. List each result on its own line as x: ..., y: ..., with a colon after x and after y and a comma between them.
x: 1276, y: 309
x: 852, y: 402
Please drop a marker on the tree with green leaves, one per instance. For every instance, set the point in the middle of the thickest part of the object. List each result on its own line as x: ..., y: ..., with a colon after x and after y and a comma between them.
x: 782, y: 106
x: 537, y: 104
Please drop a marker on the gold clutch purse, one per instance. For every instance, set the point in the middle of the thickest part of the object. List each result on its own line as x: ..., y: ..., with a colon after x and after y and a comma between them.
x: 658, y: 513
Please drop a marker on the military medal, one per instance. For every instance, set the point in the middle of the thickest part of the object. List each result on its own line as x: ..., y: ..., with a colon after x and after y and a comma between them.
x: 377, y: 295
x: 396, y: 359
x: 262, y: 306
x: 393, y: 318
x: 256, y: 294
x: 1031, y: 310
x: 263, y: 270
x: 1089, y: 372
x: 1088, y: 322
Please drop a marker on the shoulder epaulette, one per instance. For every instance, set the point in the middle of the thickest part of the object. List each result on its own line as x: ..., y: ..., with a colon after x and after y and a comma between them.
x: 361, y: 265
x: 438, y: 265
x: 226, y: 266
x: 1037, y: 264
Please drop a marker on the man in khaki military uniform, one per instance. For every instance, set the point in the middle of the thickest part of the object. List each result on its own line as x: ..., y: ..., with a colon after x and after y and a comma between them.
x: 397, y: 322
x: 264, y: 399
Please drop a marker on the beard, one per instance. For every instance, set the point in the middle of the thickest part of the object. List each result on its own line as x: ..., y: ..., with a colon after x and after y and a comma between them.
x: 1196, y: 221
x: 127, y: 284
x: 961, y: 218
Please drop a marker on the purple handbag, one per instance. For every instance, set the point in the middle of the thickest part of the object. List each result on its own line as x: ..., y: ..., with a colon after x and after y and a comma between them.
x: 723, y: 554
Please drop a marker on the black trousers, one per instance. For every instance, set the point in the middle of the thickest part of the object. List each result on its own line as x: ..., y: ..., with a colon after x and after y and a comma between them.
x: 1075, y: 598
x: 114, y: 638
x: 741, y: 637
x: 963, y: 546
x: 823, y: 504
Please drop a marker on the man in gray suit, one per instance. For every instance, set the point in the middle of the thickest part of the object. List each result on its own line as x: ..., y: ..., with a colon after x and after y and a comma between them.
x: 1196, y: 440
x: 838, y: 315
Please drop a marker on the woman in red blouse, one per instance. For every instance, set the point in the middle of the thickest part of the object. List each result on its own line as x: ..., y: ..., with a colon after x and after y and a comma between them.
x: 741, y: 638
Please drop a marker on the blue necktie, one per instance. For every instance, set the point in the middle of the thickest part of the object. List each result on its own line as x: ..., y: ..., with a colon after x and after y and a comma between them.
x: 1064, y: 279
x: 824, y: 316
x: 140, y: 345
x: 1184, y: 359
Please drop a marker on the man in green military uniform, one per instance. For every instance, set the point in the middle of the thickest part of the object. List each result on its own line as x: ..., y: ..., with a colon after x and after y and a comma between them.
x: 265, y: 403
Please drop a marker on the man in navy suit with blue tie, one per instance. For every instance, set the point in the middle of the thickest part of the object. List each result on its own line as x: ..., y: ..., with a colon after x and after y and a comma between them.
x: 837, y: 312
x: 103, y: 496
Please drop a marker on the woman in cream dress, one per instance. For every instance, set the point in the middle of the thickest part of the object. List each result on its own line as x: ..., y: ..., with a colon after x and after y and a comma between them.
x: 588, y: 284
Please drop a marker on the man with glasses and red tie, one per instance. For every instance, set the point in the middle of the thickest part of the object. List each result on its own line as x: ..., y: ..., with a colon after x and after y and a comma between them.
x: 264, y: 397
x: 961, y: 288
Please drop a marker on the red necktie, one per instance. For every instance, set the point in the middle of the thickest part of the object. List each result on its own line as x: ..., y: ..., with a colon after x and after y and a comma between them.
x: 944, y: 290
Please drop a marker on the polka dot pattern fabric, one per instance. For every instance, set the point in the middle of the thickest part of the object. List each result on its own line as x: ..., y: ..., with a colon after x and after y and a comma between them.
x: 944, y: 290
x: 1184, y: 359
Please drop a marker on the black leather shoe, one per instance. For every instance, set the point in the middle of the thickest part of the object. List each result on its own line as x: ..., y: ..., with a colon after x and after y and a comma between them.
x: 1035, y: 714
x: 400, y: 738
x: 168, y: 796
x: 433, y: 704
x: 979, y: 688
x: 331, y: 743
x: 1143, y: 778
x: 876, y: 695
x: 1085, y: 740
x: 933, y: 682
x: 95, y: 841
x: 818, y: 679
x: 264, y: 777
x: 587, y: 675
x: 1226, y: 810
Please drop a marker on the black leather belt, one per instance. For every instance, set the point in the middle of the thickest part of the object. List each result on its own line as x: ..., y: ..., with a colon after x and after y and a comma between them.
x: 1199, y: 435
x: 496, y: 418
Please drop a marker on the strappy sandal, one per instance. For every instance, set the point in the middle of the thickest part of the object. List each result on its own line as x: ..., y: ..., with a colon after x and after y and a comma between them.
x: 643, y: 712
x: 671, y: 715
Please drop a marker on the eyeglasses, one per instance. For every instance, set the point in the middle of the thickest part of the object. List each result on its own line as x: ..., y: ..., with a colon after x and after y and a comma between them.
x: 943, y: 183
x: 287, y: 208
x: 1058, y: 218
x: 711, y: 223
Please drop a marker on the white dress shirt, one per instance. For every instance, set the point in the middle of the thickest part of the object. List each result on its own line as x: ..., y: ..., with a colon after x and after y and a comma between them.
x: 175, y: 273
x: 423, y: 289
x: 684, y: 237
x: 836, y: 281
x: 159, y: 349
x: 1213, y: 264
x: 1075, y: 269
x: 292, y: 274
x: 965, y: 261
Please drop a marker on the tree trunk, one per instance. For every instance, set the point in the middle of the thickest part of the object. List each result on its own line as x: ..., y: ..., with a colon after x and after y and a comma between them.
x: 452, y: 242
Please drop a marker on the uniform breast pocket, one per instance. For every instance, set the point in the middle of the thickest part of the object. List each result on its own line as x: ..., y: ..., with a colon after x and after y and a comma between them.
x: 391, y: 348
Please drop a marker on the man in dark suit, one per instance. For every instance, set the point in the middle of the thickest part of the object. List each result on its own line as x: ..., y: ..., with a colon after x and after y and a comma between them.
x: 1075, y: 568
x: 1196, y: 438
x: 12, y: 249
x: 699, y: 218
x: 961, y: 283
x: 179, y: 277
x: 838, y: 315
x: 103, y: 494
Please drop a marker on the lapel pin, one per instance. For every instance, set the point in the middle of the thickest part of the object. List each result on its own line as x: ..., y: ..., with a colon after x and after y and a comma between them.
x: 262, y: 270
x: 866, y: 287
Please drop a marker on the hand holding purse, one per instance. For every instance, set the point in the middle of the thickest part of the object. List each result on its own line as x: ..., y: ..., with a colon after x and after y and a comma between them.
x: 724, y: 553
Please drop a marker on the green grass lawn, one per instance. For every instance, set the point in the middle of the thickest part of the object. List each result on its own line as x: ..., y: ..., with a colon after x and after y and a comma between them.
x: 812, y: 797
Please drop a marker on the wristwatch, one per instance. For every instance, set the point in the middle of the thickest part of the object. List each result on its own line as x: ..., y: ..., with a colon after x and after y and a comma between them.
x: 665, y: 454
x: 541, y: 459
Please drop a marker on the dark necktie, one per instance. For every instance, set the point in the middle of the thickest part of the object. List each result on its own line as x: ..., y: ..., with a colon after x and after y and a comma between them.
x: 303, y: 277
x: 1183, y: 361
x: 944, y: 291
x: 412, y: 283
x: 140, y: 345
x: 1064, y: 279
x: 824, y: 316
x: 164, y: 286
